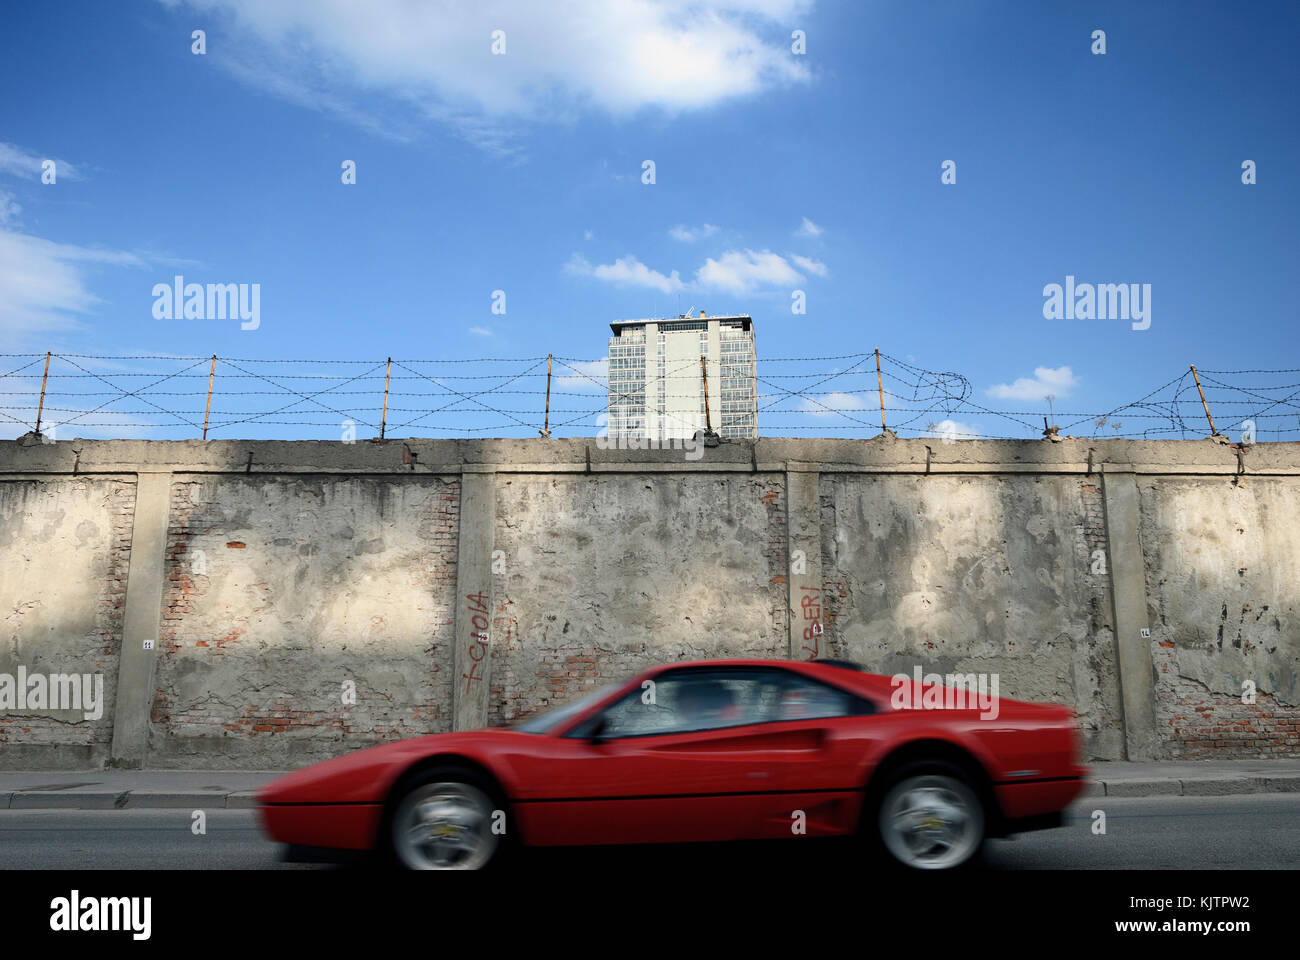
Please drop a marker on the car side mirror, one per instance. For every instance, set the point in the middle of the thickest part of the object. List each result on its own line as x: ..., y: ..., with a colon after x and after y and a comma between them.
x: 596, y: 732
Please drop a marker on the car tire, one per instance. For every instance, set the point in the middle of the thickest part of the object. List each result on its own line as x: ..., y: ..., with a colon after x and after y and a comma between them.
x: 929, y: 817
x: 447, y: 818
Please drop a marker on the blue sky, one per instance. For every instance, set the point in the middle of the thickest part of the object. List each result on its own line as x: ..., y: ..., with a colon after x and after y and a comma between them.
x: 774, y: 172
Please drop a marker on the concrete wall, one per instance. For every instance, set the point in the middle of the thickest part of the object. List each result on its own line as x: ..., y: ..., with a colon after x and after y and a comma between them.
x: 983, y: 574
x: 287, y: 593
x: 602, y: 576
x: 1221, y: 575
x: 64, y: 549
x: 285, y: 602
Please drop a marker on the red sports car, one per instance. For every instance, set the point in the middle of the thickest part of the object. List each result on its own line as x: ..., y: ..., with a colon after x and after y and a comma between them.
x: 708, y: 751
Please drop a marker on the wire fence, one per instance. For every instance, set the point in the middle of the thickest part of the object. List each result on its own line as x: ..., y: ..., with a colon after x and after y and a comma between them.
x: 62, y: 396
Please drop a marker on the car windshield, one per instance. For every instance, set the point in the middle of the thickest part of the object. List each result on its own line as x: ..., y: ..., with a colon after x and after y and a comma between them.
x: 555, y: 717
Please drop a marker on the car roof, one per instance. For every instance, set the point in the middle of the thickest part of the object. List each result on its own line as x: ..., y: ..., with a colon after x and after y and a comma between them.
x: 756, y: 662
x: 842, y: 673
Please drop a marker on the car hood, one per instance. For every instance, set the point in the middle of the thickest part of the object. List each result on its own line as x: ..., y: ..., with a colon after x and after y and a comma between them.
x: 366, y: 775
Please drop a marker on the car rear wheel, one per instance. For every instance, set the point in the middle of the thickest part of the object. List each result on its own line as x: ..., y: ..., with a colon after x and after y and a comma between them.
x: 930, y: 817
x: 447, y: 820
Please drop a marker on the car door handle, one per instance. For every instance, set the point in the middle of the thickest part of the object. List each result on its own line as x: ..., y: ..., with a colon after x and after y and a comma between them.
x: 813, y: 739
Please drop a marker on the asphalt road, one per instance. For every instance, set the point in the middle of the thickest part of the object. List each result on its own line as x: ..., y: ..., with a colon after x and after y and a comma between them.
x: 1222, y: 833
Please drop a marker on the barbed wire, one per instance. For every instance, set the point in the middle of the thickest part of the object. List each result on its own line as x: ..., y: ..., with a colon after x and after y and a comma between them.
x: 325, y: 399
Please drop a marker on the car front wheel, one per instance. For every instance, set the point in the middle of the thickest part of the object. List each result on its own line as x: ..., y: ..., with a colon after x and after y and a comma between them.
x: 446, y: 821
x: 930, y: 817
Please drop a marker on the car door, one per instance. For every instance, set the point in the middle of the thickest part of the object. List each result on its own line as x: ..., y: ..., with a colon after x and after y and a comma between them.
x: 822, y: 781
x: 691, y: 756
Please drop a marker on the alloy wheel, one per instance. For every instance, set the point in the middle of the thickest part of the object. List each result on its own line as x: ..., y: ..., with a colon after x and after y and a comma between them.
x: 444, y: 826
x: 931, y: 822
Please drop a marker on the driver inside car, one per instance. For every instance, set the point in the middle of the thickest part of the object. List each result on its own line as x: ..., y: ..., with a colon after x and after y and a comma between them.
x: 703, y: 706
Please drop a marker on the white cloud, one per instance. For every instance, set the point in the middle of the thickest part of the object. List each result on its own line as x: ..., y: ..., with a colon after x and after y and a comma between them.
x: 952, y: 430
x: 740, y: 272
x: 808, y: 229
x: 480, y: 331
x: 1056, y: 382
x: 9, y: 208
x: 685, y: 234
x: 828, y: 404
x: 584, y: 372
x: 625, y: 272
x: 44, y: 283
x: 435, y: 61
x: 20, y: 163
x: 63, y: 418
x: 735, y: 271
x: 815, y: 267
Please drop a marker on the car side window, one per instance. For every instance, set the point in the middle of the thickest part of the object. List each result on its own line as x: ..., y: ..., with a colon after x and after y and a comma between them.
x: 692, y: 701
x: 803, y: 698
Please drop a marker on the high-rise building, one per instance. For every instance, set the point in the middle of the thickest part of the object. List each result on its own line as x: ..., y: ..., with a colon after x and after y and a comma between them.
x: 656, y: 380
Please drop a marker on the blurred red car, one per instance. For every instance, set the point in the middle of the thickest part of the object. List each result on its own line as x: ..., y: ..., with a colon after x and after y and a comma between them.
x: 708, y: 751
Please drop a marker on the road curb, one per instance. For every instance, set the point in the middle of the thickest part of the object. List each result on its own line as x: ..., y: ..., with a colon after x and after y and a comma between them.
x: 172, y: 799
x: 1144, y: 787
x: 1230, y: 786
x: 37, y: 800
x: 127, y: 800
